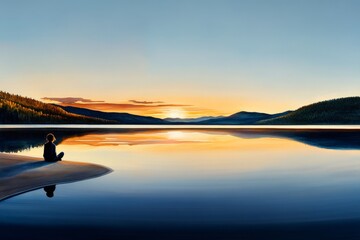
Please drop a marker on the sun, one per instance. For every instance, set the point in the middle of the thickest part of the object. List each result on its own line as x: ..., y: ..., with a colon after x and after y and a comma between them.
x: 176, y: 113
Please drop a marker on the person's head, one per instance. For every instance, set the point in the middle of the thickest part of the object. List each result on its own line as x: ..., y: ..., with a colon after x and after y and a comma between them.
x: 50, y: 137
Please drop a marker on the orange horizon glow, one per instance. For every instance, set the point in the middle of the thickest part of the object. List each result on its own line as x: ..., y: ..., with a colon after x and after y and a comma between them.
x: 184, y: 109
x: 154, y: 111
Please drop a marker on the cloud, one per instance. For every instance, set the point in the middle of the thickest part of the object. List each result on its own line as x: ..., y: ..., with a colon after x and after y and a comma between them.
x: 135, y: 106
x: 70, y: 100
x: 146, y: 108
x: 145, y: 102
x: 124, y: 106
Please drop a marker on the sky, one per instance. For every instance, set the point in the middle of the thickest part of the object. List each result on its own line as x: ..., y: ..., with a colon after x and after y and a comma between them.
x: 184, y: 58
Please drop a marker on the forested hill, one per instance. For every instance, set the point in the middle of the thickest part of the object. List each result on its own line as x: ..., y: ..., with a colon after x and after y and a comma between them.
x: 15, y: 109
x: 336, y: 111
x: 18, y: 109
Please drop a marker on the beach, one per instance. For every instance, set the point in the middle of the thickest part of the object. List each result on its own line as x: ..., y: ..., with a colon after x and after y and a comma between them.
x: 19, y: 174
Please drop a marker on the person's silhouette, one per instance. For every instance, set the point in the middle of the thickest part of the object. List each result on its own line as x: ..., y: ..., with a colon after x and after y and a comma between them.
x: 50, y: 190
x: 50, y: 149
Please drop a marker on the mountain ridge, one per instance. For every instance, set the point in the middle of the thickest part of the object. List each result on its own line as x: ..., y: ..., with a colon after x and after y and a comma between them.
x: 15, y: 109
x: 243, y: 118
x: 120, y: 118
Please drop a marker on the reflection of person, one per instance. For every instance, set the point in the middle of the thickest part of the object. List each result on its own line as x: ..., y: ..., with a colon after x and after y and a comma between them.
x: 50, y: 149
x: 50, y: 190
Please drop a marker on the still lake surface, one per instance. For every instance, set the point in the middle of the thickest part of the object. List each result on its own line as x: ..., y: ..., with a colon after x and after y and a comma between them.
x: 197, y: 178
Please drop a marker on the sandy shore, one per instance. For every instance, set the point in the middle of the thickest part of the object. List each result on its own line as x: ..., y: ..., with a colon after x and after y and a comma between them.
x: 20, y: 174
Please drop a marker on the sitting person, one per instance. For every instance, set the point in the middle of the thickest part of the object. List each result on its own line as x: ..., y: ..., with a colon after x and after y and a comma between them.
x: 50, y: 150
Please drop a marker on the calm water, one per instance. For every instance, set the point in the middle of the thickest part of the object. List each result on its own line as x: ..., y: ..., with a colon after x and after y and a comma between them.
x: 234, y: 180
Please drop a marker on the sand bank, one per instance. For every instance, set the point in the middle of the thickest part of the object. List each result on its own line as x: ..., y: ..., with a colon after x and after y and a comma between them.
x: 20, y: 174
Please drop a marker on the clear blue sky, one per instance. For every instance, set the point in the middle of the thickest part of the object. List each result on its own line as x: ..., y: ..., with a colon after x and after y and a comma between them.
x: 222, y: 56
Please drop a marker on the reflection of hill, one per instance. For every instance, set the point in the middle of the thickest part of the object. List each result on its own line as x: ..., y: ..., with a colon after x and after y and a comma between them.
x: 15, y: 140
x: 329, y: 139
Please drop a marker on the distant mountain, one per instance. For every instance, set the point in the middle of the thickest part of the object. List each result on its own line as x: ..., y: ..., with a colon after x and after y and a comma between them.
x: 242, y: 118
x: 190, y: 120
x: 16, y: 109
x: 22, y: 110
x: 119, y: 118
x: 336, y: 111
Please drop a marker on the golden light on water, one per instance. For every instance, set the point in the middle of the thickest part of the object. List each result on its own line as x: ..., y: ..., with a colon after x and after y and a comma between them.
x: 156, y: 155
x: 188, y: 140
x: 152, y: 155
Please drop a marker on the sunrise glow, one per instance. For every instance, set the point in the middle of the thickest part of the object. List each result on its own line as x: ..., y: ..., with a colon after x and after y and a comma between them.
x: 175, y: 113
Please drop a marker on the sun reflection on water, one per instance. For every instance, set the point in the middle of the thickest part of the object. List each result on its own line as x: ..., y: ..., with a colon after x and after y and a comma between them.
x: 167, y: 155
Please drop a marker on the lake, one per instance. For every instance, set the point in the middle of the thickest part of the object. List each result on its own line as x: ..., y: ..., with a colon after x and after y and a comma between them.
x: 194, y: 183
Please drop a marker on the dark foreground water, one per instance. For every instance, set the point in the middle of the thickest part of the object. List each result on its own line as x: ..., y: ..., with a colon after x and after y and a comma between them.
x: 193, y: 184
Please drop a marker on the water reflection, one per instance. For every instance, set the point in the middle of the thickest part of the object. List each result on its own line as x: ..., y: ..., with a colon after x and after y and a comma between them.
x: 17, y: 140
x: 50, y: 190
x: 201, y: 179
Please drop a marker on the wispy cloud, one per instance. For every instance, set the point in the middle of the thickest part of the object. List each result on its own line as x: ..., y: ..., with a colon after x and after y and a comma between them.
x: 123, y: 106
x: 145, y: 102
x: 152, y: 108
x: 70, y: 100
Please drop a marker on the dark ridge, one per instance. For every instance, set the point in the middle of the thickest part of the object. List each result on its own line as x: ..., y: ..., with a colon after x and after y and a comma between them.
x: 242, y: 118
x: 336, y: 111
x: 120, y: 118
x: 15, y: 109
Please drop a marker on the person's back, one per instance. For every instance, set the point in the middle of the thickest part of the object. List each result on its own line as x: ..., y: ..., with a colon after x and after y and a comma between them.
x: 50, y: 149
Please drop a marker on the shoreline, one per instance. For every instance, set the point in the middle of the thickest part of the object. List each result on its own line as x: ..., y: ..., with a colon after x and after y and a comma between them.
x: 20, y: 174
